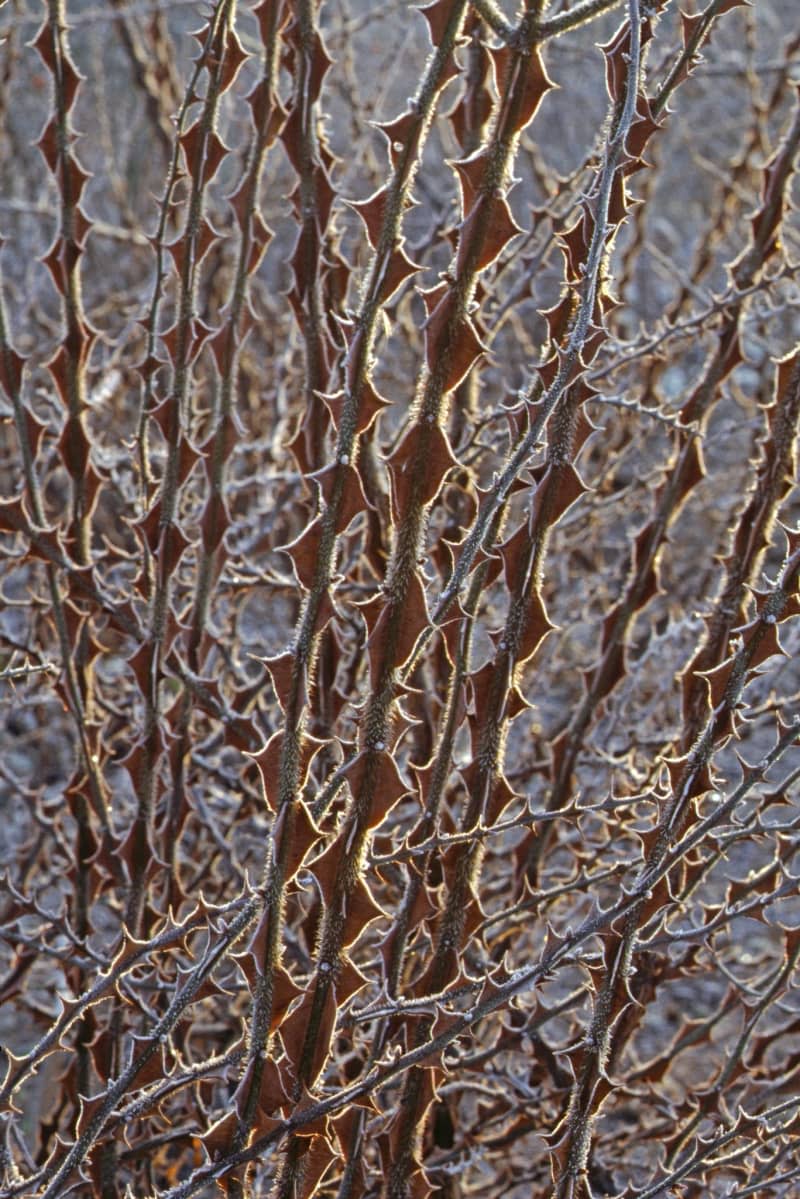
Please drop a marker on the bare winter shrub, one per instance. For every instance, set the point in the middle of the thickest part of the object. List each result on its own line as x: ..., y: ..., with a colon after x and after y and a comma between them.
x: 399, y: 615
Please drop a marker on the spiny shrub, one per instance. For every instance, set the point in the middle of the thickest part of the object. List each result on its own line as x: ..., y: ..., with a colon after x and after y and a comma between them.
x: 399, y: 582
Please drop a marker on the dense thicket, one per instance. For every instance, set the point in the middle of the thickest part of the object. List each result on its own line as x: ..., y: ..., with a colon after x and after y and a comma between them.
x: 399, y: 607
